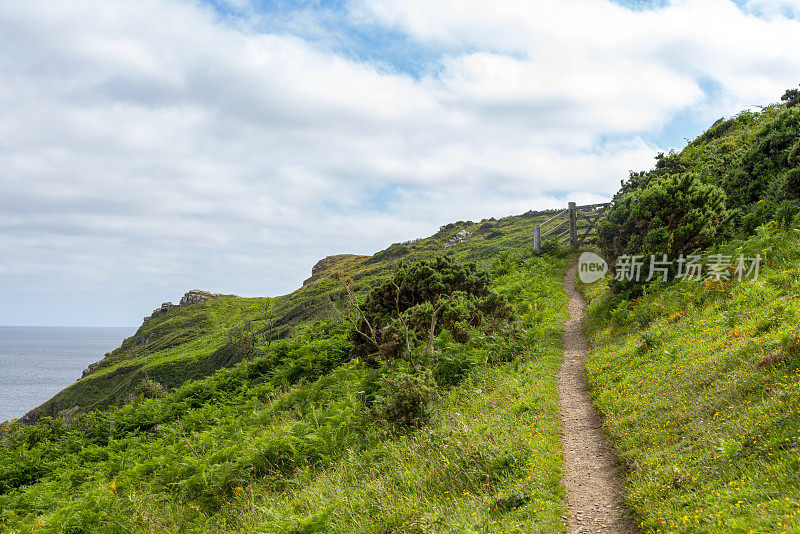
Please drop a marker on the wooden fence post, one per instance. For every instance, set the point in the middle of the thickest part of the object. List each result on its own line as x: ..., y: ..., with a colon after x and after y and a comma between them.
x: 573, y: 225
x: 537, y: 239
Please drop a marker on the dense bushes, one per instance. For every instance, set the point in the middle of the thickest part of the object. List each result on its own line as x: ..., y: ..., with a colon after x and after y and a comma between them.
x: 420, y: 301
x: 670, y: 215
x: 740, y: 174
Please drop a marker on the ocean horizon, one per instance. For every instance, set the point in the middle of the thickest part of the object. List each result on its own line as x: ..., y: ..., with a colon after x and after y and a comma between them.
x: 36, y: 362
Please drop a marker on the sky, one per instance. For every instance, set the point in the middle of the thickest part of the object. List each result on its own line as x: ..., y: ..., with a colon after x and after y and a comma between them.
x: 150, y: 147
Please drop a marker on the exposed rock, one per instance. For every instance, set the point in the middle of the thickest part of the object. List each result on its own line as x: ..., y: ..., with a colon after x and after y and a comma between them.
x: 191, y: 297
x: 195, y: 296
x: 147, y: 338
x: 29, y: 418
x: 458, y: 238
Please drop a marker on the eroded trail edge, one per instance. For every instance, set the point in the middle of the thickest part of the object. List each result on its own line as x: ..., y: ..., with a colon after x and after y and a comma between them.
x: 594, y: 490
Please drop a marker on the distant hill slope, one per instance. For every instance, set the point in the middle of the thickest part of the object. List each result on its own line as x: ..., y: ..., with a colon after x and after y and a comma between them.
x: 191, y: 341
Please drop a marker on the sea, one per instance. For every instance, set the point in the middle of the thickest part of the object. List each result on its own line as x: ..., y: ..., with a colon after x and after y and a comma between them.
x: 36, y: 362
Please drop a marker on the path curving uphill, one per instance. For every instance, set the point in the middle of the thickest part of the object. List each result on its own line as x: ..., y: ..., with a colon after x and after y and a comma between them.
x: 594, y: 490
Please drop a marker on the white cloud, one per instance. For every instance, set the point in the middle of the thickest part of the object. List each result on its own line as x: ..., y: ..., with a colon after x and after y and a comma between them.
x: 154, y: 146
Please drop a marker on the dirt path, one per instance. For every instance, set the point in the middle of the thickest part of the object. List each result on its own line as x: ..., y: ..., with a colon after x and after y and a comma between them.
x: 594, y: 489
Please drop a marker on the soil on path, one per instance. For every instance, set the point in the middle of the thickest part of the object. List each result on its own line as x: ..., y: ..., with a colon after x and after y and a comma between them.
x: 594, y: 490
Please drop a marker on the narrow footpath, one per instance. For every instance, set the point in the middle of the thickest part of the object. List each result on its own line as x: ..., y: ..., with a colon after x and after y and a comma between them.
x: 594, y: 490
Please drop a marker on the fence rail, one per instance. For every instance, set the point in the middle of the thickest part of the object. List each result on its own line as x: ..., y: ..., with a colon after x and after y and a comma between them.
x: 576, y: 225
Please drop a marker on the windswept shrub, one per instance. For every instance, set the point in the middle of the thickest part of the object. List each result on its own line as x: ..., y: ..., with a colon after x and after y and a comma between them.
x: 242, y: 339
x: 147, y: 389
x: 419, y: 302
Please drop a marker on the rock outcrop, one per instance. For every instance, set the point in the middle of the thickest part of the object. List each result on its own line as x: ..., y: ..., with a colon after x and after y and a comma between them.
x: 93, y: 366
x: 194, y: 296
x: 165, y: 307
x: 458, y: 238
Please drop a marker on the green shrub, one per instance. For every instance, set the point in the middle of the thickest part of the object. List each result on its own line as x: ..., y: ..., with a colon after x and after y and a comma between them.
x: 792, y: 182
x: 146, y: 389
x: 791, y: 97
x: 671, y: 215
x: 419, y: 302
x: 405, y: 399
x: 785, y: 213
x: 552, y: 247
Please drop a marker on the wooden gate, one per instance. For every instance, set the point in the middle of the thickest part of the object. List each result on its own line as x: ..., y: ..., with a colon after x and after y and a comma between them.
x: 576, y: 225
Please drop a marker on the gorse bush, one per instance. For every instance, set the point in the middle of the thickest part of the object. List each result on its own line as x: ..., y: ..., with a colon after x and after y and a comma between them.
x: 405, y: 399
x: 426, y: 315
x: 669, y: 215
x: 420, y: 301
x: 740, y: 174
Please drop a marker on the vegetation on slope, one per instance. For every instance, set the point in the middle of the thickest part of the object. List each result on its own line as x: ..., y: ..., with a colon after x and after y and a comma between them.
x: 297, y: 438
x: 191, y: 342
x: 699, y: 383
x: 699, y: 380
x: 740, y: 174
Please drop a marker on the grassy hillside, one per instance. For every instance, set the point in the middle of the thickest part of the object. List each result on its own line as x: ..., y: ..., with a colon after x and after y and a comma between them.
x: 296, y: 438
x: 191, y: 342
x: 699, y: 381
x: 700, y: 387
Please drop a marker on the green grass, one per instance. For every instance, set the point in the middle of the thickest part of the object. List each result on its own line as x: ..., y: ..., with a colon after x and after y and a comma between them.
x: 285, y: 441
x: 700, y: 388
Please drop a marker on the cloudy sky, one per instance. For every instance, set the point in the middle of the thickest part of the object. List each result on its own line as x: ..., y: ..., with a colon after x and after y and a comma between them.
x: 148, y: 147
